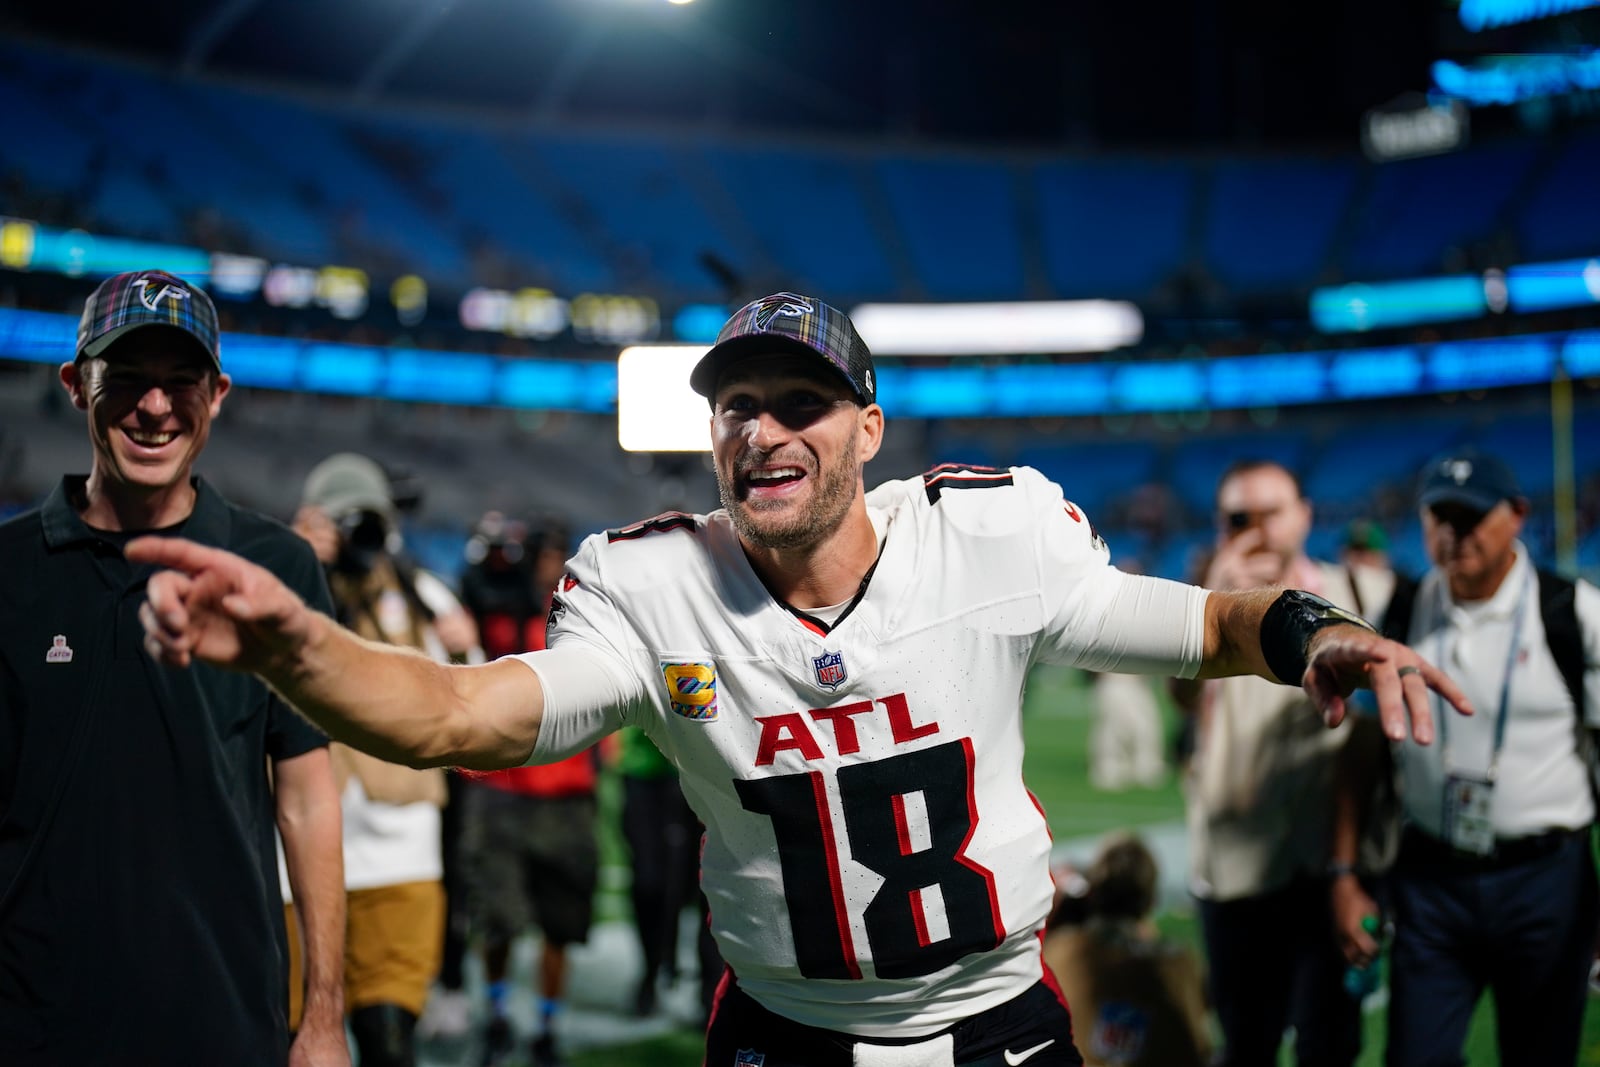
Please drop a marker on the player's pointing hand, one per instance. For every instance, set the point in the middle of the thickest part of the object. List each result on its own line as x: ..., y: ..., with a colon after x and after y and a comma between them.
x: 214, y: 606
x: 1344, y: 658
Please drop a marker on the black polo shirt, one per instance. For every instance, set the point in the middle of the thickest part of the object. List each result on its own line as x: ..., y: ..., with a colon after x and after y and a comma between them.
x: 140, y: 915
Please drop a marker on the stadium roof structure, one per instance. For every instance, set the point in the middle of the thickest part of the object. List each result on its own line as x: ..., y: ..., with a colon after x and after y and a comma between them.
x: 1060, y: 72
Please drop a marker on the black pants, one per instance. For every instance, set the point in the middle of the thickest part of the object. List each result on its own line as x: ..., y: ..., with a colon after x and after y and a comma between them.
x: 664, y: 838
x: 1524, y: 929
x: 1034, y: 1028
x: 1274, y: 963
x: 457, y: 921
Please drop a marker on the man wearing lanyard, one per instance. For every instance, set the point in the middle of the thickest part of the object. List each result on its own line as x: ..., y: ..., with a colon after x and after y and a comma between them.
x: 1495, y: 884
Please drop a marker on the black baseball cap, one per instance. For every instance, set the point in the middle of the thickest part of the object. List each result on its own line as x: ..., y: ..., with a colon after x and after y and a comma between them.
x: 1470, y: 477
x: 141, y: 298
x: 789, y: 322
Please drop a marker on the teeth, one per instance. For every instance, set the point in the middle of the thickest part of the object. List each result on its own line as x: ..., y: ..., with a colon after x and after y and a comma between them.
x: 151, y: 440
x: 775, y: 475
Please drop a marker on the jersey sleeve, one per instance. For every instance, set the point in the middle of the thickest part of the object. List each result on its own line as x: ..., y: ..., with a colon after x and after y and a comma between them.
x: 1096, y: 616
x: 592, y: 685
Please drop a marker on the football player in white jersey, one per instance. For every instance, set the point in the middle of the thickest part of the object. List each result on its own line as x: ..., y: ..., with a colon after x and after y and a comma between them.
x: 838, y: 676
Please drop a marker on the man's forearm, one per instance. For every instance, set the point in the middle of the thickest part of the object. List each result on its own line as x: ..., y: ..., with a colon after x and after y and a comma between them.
x: 309, y: 824
x: 1233, y: 633
x: 397, y: 704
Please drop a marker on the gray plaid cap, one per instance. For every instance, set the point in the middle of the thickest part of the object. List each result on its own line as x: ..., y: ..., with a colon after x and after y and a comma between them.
x: 136, y: 299
x: 789, y: 322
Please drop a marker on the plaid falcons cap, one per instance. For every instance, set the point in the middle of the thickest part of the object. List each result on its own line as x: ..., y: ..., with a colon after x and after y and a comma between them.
x: 788, y: 322
x: 127, y: 302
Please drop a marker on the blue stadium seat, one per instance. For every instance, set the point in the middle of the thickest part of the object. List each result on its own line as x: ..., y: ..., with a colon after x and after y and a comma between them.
x: 1093, y: 475
x: 1420, y: 208
x: 47, y: 148
x: 1271, y: 221
x: 635, y: 192
x: 1561, y: 217
x: 126, y: 201
x: 809, y: 211
x: 1527, y: 443
x: 484, y: 190
x: 960, y: 225
x: 1198, y: 462
x: 1112, y: 229
x: 1345, y: 475
x: 299, y: 149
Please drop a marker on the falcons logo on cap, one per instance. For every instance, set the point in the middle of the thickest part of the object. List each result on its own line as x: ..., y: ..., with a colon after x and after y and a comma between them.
x: 153, y: 300
x: 786, y: 304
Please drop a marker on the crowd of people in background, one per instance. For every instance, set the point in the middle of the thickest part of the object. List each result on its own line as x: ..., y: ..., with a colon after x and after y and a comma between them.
x: 1304, y: 842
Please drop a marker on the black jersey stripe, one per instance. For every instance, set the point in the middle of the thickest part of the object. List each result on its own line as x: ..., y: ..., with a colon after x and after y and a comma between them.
x: 672, y: 520
x: 960, y: 476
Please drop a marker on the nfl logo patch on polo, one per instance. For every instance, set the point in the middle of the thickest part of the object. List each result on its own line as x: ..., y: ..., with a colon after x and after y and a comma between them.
x: 830, y: 670
x: 747, y: 1057
x: 692, y: 688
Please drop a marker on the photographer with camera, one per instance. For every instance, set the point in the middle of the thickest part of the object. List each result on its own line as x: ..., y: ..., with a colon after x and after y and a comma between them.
x: 1260, y: 794
x: 392, y: 858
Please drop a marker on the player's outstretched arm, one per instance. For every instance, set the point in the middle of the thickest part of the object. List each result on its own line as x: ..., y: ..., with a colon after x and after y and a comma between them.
x: 1244, y: 635
x: 395, y: 703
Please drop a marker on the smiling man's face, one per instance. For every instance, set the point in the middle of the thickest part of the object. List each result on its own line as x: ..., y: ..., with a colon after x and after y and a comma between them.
x: 150, y: 408
x: 788, y: 442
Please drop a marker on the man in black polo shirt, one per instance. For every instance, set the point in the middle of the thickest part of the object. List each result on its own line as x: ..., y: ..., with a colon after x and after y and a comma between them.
x: 140, y: 920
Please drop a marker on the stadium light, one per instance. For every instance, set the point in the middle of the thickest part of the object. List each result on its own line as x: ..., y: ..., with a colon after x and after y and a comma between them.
x: 1036, y: 326
x: 656, y: 409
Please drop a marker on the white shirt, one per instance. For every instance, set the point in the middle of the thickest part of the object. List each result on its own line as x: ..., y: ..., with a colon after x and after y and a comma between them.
x: 1542, y: 782
x: 392, y: 844
x: 867, y: 826
x: 1260, y: 789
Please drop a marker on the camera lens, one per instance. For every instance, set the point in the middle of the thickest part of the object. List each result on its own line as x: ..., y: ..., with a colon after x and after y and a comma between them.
x: 365, y: 530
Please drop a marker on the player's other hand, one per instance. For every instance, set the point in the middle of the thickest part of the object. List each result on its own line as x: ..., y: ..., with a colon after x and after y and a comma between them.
x: 1346, y: 657
x: 215, y: 606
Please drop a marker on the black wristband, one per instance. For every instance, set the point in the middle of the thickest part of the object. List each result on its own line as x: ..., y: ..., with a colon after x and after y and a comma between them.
x: 1287, y: 627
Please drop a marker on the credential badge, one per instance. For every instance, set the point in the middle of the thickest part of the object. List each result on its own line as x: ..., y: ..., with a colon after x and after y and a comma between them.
x: 830, y: 670
x: 749, y: 1057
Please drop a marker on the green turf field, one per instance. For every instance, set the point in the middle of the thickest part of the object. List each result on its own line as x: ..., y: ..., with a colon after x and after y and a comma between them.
x: 1056, y: 726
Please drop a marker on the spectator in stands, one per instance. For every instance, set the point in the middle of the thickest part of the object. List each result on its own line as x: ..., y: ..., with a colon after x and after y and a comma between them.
x: 1260, y: 786
x: 392, y: 860
x: 528, y: 833
x: 1494, y: 885
x: 1137, y: 999
x: 139, y: 922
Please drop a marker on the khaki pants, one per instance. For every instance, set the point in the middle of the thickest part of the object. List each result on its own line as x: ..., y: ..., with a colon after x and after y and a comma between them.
x: 393, y: 939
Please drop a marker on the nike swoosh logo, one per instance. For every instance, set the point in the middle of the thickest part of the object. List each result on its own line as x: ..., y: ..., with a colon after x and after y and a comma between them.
x: 1014, y: 1058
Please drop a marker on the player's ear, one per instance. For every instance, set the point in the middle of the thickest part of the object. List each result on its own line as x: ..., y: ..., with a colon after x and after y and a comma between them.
x: 220, y: 385
x: 870, y: 437
x: 71, y: 375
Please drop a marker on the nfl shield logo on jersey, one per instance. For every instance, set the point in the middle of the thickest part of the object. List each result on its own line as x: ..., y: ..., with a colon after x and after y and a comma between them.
x: 749, y: 1057
x: 830, y: 669
x: 692, y: 689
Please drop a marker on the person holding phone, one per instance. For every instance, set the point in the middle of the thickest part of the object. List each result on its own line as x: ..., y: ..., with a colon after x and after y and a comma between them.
x: 1259, y: 796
